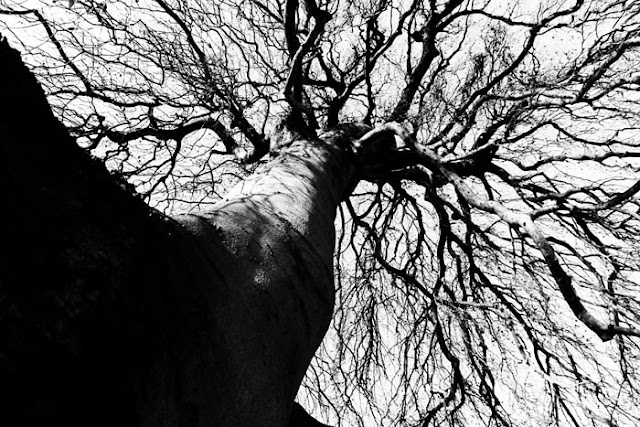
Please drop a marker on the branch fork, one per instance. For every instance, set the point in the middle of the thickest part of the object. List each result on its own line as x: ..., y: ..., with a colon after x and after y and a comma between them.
x: 525, y: 222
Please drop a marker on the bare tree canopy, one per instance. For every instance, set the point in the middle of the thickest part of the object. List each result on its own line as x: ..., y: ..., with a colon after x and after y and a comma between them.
x: 488, y: 273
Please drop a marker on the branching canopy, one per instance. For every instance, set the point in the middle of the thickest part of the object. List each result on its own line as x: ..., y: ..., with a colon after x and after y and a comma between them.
x: 490, y: 275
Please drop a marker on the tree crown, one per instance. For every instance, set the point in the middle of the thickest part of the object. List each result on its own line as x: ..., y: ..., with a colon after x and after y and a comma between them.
x: 494, y: 246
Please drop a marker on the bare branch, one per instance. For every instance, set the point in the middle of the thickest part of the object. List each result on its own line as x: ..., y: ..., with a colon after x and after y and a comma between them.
x: 524, y: 222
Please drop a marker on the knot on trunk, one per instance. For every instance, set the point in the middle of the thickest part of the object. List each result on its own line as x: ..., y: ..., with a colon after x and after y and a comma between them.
x: 383, y: 150
x: 376, y: 152
x: 344, y: 135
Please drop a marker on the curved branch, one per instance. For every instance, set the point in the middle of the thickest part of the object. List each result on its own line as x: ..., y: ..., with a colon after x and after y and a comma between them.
x: 259, y: 142
x: 371, y: 59
x: 524, y: 221
x: 290, y: 27
x: 175, y: 133
x: 187, y: 32
x: 50, y: 33
x: 293, y: 85
x: 429, y: 53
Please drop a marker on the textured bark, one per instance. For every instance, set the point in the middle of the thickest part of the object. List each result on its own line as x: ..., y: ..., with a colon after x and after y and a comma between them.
x: 269, y: 247
x: 112, y: 314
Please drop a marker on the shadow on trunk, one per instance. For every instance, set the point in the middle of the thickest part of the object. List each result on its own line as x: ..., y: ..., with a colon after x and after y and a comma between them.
x: 113, y: 314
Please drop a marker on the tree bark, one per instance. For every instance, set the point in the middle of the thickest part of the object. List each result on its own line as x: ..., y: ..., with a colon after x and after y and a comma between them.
x: 113, y: 314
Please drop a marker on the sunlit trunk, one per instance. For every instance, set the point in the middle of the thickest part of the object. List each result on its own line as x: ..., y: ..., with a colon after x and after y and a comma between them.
x: 271, y: 242
x: 113, y: 314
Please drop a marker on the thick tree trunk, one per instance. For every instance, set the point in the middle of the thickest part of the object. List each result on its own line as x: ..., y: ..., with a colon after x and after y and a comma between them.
x: 112, y: 314
x: 269, y: 247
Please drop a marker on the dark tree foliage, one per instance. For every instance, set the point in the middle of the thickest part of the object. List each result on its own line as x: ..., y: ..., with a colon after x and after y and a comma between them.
x: 491, y: 277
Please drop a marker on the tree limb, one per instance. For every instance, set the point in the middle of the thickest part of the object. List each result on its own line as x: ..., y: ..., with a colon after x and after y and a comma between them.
x: 293, y: 86
x: 524, y: 221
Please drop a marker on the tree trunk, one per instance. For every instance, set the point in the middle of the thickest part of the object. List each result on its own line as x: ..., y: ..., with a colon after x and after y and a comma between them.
x: 113, y: 314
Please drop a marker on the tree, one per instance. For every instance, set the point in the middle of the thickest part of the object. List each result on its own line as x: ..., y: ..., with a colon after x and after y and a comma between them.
x: 489, y: 250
